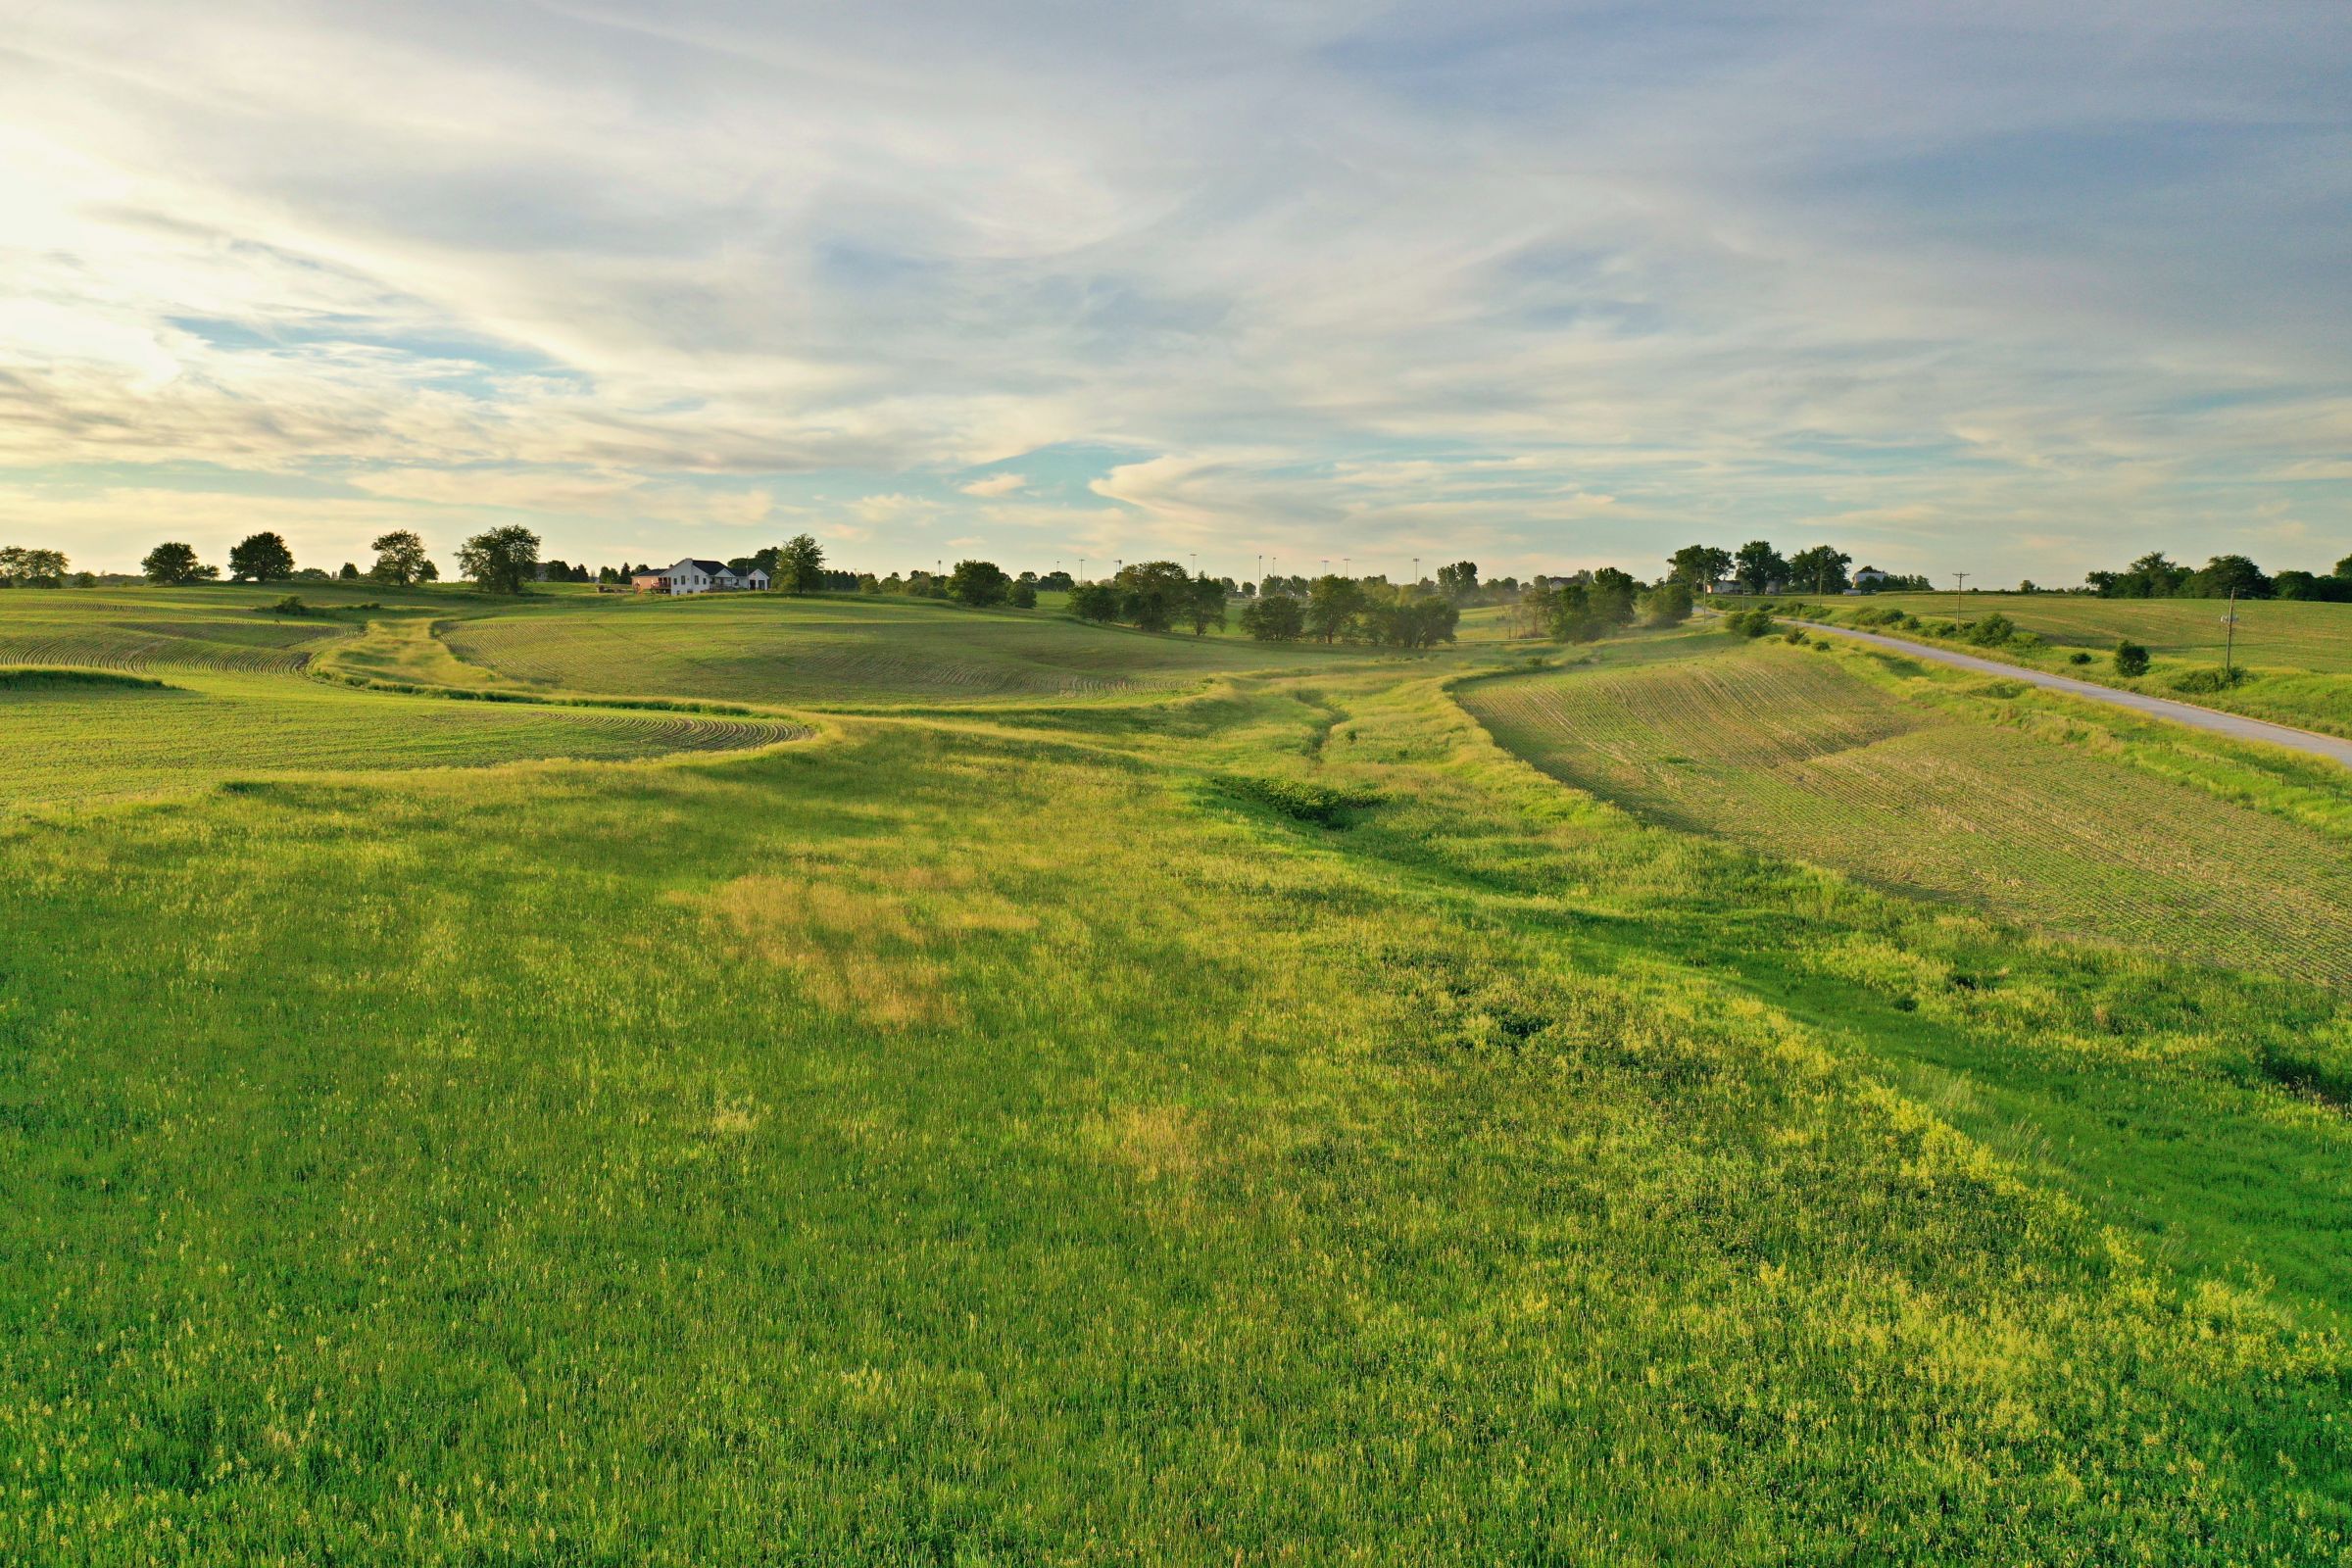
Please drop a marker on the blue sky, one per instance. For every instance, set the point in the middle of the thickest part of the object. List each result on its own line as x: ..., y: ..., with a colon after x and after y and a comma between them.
x: 2007, y: 288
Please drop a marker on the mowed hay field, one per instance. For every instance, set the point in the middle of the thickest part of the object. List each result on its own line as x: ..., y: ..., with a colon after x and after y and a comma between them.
x: 138, y: 628
x: 1266, y: 1123
x: 2272, y: 633
x: 1788, y: 750
x: 775, y: 649
x: 192, y: 732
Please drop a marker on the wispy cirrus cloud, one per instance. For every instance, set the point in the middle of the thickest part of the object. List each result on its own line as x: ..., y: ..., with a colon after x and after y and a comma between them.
x: 2011, y: 288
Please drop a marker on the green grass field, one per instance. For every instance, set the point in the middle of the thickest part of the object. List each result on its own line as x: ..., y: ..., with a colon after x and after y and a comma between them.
x: 2295, y: 657
x: 1258, y: 1119
x: 774, y: 648
x: 2272, y: 633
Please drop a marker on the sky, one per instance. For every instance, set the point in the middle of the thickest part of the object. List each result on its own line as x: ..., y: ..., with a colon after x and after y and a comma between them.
x: 2008, y: 288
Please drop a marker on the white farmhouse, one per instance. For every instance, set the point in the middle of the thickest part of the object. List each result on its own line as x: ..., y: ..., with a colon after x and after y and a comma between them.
x: 693, y: 576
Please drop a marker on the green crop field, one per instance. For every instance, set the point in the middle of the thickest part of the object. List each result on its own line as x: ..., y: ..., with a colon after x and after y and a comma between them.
x: 772, y: 649
x: 2293, y: 660
x: 1792, y: 752
x: 1255, y: 1120
x: 2272, y: 633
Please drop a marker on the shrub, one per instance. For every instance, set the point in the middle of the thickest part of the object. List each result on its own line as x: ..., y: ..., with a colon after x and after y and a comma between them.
x: 2077, y: 657
x: 1993, y: 631
x: 2130, y: 659
x: 291, y: 604
x: 2209, y: 679
x: 1796, y: 634
x: 1749, y: 623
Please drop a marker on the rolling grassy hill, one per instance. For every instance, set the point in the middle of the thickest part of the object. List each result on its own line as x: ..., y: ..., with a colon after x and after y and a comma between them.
x: 1261, y: 1121
x: 1797, y: 751
x: 774, y: 648
x: 2272, y: 633
x: 2294, y: 659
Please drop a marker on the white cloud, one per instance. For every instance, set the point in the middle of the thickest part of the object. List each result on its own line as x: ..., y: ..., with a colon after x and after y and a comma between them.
x: 1548, y: 284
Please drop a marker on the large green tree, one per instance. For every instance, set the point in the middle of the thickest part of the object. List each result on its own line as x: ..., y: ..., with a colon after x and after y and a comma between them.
x: 1820, y: 570
x: 1333, y: 603
x: 1698, y: 566
x: 21, y: 564
x: 399, y: 558
x: 2224, y: 575
x: 1204, y: 603
x: 1274, y: 619
x: 800, y: 566
x: 175, y: 563
x: 260, y: 558
x: 501, y: 559
x: 1760, y: 566
x: 979, y: 584
x: 1458, y: 580
x: 1152, y: 593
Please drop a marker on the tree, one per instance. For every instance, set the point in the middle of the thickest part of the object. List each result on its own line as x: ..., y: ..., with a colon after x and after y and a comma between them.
x: 175, y: 563
x: 1332, y: 604
x: 1760, y: 568
x: 261, y: 557
x: 2343, y: 569
x: 1412, y: 619
x: 979, y: 584
x: 1274, y: 619
x: 1612, y: 596
x: 2226, y: 574
x: 800, y: 566
x: 1152, y: 594
x: 501, y: 559
x: 349, y: 572
x: 1698, y: 568
x: 1023, y: 595
x: 1204, y: 605
x: 1095, y: 600
x: 21, y: 567
x: 1459, y: 580
x: 1820, y: 569
x: 2130, y: 659
x: 399, y: 558
x: 1667, y: 604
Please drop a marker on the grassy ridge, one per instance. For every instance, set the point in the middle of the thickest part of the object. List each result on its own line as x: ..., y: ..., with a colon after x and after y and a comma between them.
x: 1793, y: 751
x: 772, y: 649
x: 1272, y: 1123
x: 2293, y: 658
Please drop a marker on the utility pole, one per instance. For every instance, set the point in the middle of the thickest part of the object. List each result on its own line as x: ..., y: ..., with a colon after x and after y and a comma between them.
x: 1961, y: 579
x: 2230, y: 642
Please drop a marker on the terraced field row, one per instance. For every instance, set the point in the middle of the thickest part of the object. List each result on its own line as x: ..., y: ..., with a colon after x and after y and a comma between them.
x: 148, y: 645
x: 1783, y: 751
x: 2272, y: 633
x: 786, y: 651
x: 228, y: 727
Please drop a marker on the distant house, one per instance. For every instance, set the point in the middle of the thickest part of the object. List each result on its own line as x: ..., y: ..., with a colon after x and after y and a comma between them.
x: 696, y: 576
x: 1869, y: 577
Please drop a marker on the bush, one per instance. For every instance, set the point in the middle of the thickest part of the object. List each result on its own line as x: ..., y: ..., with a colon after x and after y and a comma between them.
x: 2077, y: 657
x: 1024, y: 596
x: 1796, y: 634
x: 291, y: 604
x: 2209, y: 679
x: 2130, y: 659
x: 1749, y: 623
x: 1993, y: 631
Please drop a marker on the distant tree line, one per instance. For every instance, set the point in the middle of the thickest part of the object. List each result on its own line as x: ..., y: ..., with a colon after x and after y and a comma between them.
x: 2153, y: 576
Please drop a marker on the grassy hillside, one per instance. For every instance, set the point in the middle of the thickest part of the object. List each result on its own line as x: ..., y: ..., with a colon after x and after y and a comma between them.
x: 1267, y: 1123
x: 775, y: 649
x: 2272, y: 633
x: 2293, y: 660
x: 1796, y: 750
